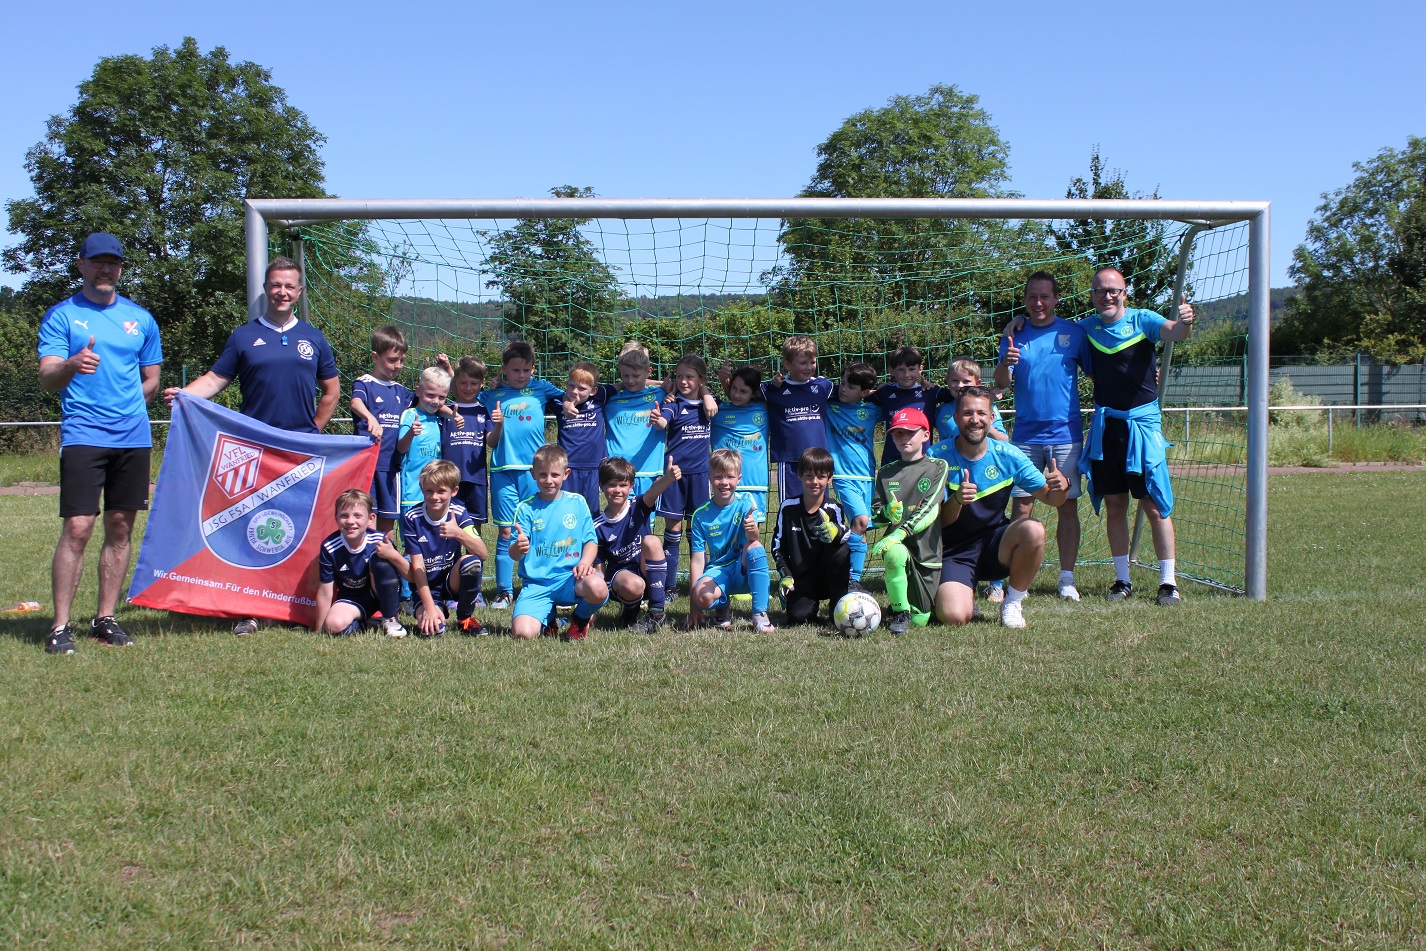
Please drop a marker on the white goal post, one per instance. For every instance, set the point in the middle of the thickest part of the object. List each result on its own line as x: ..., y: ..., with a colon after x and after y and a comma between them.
x: 261, y: 214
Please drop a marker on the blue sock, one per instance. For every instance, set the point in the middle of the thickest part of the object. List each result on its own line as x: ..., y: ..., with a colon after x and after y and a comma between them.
x: 583, y: 610
x: 658, y: 595
x: 388, y: 592
x: 470, y: 573
x: 758, y: 579
x: 857, y: 543
x: 504, y: 565
x: 671, y: 543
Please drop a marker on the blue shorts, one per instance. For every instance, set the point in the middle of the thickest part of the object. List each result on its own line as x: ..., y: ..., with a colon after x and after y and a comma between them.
x: 585, y: 482
x: 975, y: 561
x: 539, y: 600
x: 789, y: 483
x: 684, y: 497
x: 508, y: 488
x: 854, y: 494
x: 386, y: 490
x: 730, y: 579
x: 364, y: 600
x: 759, y: 499
x: 475, y: 497
x: 441, y: 590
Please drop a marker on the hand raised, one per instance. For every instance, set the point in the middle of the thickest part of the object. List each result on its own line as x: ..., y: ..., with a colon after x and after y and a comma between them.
x: 86, y: 361
x: 968, y: 488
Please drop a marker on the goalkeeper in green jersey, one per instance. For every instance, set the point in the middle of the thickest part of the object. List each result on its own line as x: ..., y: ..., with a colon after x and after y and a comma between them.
x: 810, y: 545
x: 907, y: 502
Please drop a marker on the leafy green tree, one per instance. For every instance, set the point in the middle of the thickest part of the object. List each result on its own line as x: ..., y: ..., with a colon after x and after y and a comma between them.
x: 938, y: 145
x: 161, y: 152
x: 1361, y: 266
x: 558, y: 293
x: 1136, y: 248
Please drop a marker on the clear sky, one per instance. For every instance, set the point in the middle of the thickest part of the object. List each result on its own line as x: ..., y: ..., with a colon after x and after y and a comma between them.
x: 1213, y: 100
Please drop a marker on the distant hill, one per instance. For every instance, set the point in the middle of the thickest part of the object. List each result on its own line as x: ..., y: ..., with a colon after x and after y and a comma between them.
x: 1236, y: 307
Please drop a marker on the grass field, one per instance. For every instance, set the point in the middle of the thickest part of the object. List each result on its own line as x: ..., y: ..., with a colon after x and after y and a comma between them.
x: 1229, y: 774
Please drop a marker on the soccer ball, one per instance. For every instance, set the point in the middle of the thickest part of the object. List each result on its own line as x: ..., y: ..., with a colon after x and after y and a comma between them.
x: 856, y: 614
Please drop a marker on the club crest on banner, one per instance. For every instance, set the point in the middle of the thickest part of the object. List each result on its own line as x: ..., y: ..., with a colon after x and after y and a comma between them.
x: 257, y: 501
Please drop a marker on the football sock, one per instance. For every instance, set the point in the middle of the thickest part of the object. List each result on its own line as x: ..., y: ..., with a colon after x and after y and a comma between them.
x: 758, y: 578
x: 895, y: 559
x: 1066, y: 577
x: 654, y: 573
x: 671, y: 543
x: 1121, y: 567
x: 1013, y: 594
x: 352, y: 628
x: 857, y: 544
x: 388, y: 592
x: 504, y: 565
x: 470, y: 573
x: 1166, y: 568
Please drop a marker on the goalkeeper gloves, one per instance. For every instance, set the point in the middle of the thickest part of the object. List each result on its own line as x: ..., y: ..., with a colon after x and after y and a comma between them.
x: 826, y: 529
x: 896, y: 511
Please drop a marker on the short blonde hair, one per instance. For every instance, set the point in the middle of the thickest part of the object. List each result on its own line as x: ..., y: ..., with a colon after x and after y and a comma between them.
x: 440, y: 474
x: 965, y: 365
x: 799, y: 346
x: 435, y: 376
x: 724, y: 461
x: 635, y: 356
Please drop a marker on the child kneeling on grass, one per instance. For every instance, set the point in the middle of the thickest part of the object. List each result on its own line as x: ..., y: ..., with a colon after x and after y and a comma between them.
x: 810, y: 544
x: 631, y: 555
x: 446, y: 554
x: 727, y: 557
x: 359, y: 571
x: 555, y: 548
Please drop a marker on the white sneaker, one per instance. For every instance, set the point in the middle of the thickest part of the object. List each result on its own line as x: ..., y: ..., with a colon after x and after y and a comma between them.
x: 1011, y: 615
x: 392, y: 627
x: 764, y: 624
x: 723, y: 619
x: 1069, y: 592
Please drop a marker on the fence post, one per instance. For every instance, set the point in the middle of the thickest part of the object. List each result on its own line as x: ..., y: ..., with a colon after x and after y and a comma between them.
x: 1329, y: 430
x: 1357, y: 386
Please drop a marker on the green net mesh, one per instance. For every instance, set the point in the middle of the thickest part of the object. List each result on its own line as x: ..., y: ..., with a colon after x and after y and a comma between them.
x: 734, y: 289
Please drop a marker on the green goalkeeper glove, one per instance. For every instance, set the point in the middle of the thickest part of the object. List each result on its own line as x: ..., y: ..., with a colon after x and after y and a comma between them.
x: 896, y: 511
x: 786, y: 586
x: 826, y: 529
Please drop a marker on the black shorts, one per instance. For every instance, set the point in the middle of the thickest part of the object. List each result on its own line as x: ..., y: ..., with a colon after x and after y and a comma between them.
x: 1110, y: 477
x: 975, y: 561
x: 85, y: 471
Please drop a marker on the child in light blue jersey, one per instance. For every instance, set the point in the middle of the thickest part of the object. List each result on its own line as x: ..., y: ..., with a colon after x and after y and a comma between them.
x: 727, y: 558
x: 418, y: 437
x: 851, y: 439
x: 556, y: 548
x: 521, y: 401
x: 634, y: 426
x: 742, y: 426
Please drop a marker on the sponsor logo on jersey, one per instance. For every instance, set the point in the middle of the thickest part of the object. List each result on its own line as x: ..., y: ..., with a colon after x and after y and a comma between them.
x: 82, y: 323
x: 259, y: 342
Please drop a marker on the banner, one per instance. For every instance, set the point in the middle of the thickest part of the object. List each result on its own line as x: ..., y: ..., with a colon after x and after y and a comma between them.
x: 240, y: 512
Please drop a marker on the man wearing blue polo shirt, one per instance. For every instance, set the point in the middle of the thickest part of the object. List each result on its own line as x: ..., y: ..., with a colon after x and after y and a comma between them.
x: 101, y: 353
x: 280, y: 362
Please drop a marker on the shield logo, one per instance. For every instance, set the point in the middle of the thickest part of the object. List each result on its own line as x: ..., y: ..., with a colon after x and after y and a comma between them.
x: 131, y: 327
x: 257, y: 502
x: 1063, y: 340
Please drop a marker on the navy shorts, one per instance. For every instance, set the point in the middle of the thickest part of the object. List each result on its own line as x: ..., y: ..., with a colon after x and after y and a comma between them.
x: 363, y: 599
x: 685, y: 496
x: 585, y: 482
x: 975, y: 561
x: 121, y: 474
x: 1110, y: 476
x: 475, y: 497
x: 789, y: 483
x: 386, y: 490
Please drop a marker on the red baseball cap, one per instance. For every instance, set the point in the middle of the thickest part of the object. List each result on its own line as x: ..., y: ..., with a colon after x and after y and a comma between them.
x: 909, y: 418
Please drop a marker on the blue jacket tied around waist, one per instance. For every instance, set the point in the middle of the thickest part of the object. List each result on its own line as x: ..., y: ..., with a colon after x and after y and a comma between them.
x: 1147, y: 454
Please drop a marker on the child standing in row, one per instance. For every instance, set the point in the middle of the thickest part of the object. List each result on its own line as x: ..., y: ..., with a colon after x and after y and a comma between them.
x: 905, y: 390
x: 687, y: 414
x: 580, y: 416
x: 742, y: 426
x: 377, y: 404
x: 851, y: 438
x: 633, y: 423
x: 466, y: 446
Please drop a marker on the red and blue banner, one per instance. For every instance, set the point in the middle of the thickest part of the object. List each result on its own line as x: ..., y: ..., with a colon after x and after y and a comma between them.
x: 240, y: 512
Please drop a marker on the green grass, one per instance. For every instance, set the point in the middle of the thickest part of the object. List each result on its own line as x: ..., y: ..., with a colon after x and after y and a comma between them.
x: 1228, y: 774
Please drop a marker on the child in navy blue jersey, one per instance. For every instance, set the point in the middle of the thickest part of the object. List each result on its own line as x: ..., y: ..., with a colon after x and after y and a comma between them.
x: 357, y: 572
x: 446, y: 554
x: 687, y: 415
x: 905, y: 389
x: 632, y: 558
x: 377, y: 403
x: 579, y: 415
x: 466, y: 446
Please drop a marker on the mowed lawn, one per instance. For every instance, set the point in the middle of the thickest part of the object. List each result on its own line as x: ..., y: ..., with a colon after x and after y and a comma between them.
x: 1223, y: 775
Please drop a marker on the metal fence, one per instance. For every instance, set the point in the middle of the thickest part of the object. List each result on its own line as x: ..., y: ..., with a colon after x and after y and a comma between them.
x: 1359, y: 384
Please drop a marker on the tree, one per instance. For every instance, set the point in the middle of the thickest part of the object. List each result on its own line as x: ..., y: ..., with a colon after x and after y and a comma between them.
x: 1135, y: 247
x: 161, y: 152
x: 938, y: 145
x: 557, y: 290
x: 1360, y: 268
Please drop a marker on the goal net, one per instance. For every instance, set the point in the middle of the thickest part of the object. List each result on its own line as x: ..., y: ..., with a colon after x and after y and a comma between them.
x: 578, y: 277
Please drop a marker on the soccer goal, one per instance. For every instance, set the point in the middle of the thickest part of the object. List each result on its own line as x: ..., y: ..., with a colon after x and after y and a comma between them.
x: 730, y: 279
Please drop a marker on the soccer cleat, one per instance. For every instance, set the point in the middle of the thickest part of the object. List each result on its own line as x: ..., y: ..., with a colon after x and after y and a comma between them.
x: 246, y: 626
x: 479, y: 602
x: 630, y: 615
x: 995, y: 592
x: 503, y: 600
x: 1011, y: 614
x: 1069, y: 592
x: 60, y: 641
x: 471, y: 627
x: 1119, y: 591
x: 763, y: 623
x: 854, y: 586
x: 900, y: 622
x: 578, y: 628
x: 392, y: 627
x: 1168, y: 595
x: 723, y: 618
x: 107, y: 630
x: 552, y: 627
x: 649, y: 623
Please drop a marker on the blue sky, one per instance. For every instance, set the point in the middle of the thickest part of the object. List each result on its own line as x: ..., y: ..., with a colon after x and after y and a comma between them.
x: 1211, y: 101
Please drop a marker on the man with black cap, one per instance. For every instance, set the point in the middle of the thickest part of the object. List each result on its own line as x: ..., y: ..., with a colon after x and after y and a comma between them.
x: 101, y: 353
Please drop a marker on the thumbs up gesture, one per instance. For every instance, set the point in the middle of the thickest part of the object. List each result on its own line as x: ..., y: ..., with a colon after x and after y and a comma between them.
x: 895, y: 511
x: 450, y: 528
x: 671, y: 469
x: 1055, y: 480
x: 85, y: 361
x: 826, y: 528
x: 1012, y: 352
x: 1185, y: 311
x: 968, y: 488
x: 521, y: 545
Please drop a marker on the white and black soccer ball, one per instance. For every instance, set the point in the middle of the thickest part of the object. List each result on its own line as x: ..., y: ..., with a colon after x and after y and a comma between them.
x: 856, y: 614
